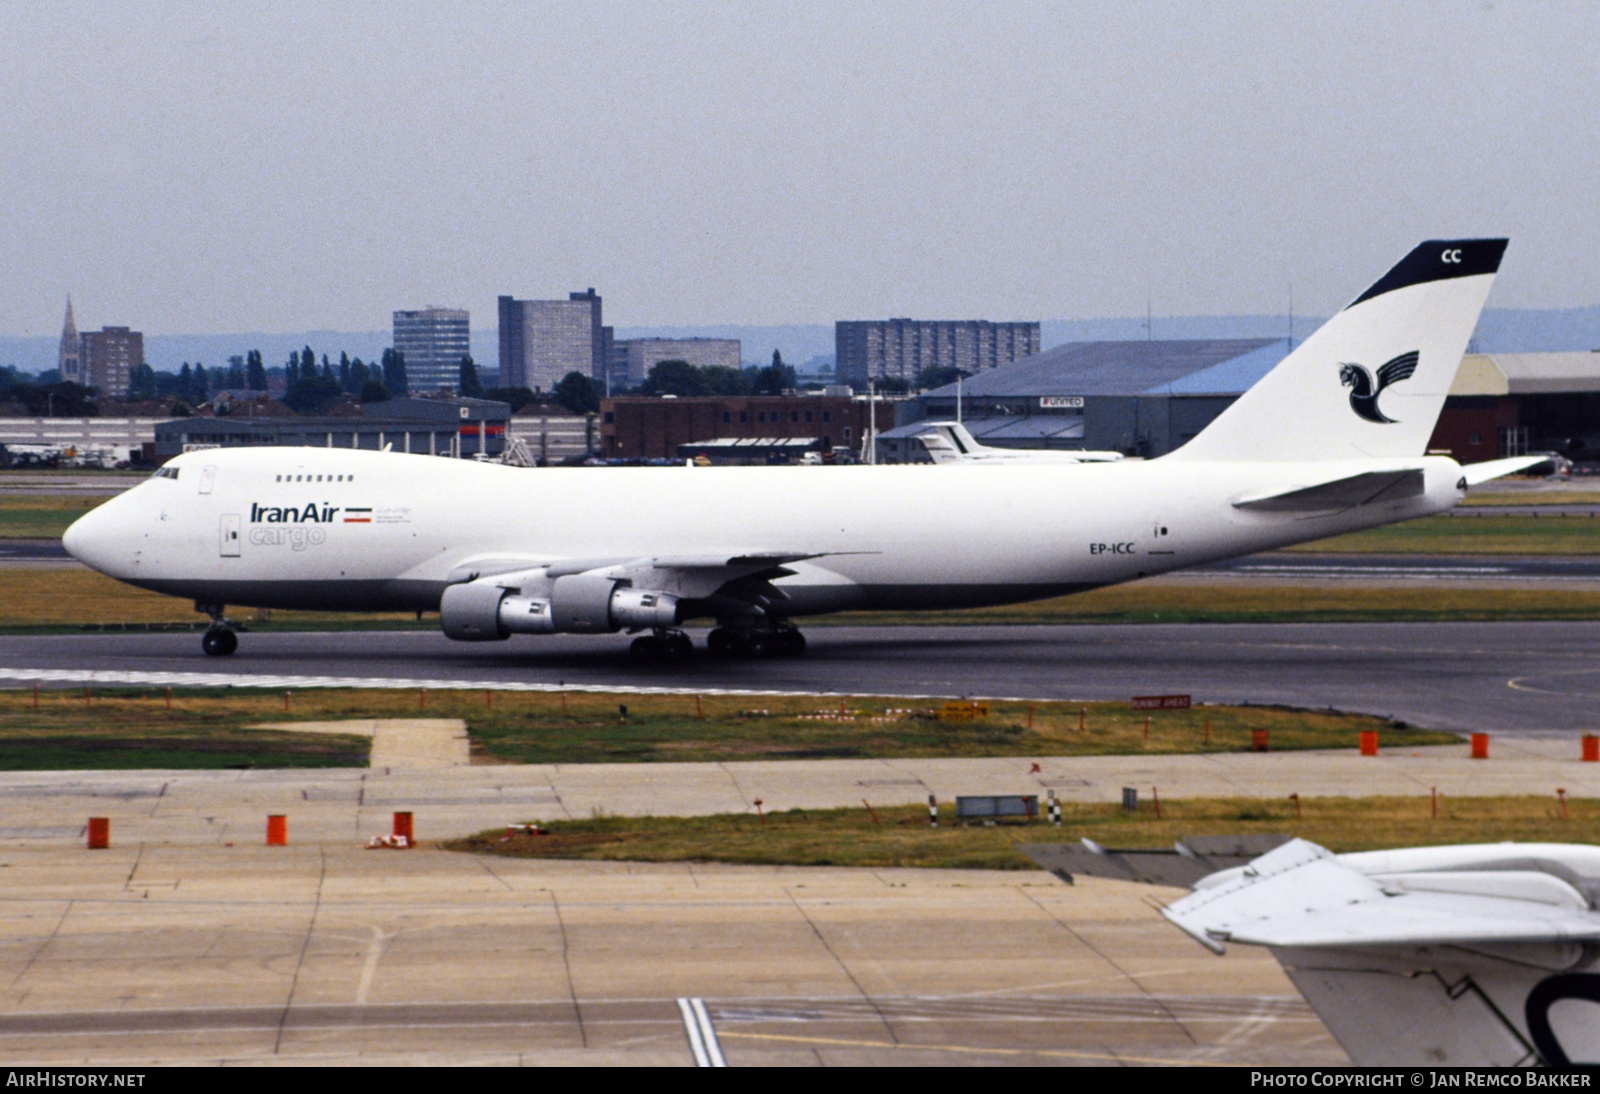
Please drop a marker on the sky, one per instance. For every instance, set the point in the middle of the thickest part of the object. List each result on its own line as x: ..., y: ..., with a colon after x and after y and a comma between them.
x: 239, y: 167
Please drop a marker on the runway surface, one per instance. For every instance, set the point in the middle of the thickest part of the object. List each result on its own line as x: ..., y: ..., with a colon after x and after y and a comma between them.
x: 1501, y: 677
x: 1500, y: 569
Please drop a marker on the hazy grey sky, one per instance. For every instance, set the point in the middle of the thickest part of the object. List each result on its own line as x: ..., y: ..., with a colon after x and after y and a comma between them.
x: 231, y: 167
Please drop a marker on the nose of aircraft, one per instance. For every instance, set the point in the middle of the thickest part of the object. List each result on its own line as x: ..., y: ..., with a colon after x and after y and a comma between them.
x: 90, y: 539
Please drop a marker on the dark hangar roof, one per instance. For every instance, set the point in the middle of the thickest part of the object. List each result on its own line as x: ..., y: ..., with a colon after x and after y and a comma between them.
x: 1117, y: 368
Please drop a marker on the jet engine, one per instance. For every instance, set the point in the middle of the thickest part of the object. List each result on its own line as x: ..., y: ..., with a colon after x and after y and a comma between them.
x: 487, y: 611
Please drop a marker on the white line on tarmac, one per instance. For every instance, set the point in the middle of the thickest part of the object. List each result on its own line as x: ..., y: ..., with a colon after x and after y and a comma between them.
x: 370, y: 968
x: 239, y: 680
x: 702, y: 1034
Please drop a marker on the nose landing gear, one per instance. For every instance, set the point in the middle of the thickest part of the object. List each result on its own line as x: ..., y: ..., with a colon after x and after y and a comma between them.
x: 219, y: 639
x: 219, y: 642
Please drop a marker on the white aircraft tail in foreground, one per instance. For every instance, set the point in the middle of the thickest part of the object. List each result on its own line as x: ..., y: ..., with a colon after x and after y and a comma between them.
x: 1332, y: 440
x: 1429, y: 955
x: 1474, y: 955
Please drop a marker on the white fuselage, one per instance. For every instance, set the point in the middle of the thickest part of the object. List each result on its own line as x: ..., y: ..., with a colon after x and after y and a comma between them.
x: 360, y: 530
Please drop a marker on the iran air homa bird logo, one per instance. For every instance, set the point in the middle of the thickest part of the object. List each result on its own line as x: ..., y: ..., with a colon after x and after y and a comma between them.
x: 1363, y: 395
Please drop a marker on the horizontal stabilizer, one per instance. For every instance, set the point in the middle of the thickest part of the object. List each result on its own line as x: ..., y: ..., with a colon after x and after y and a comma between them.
x: 1493, y: 469
x: 1338, y: 494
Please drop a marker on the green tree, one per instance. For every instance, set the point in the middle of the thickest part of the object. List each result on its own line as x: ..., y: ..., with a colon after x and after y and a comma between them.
x: 394, y: 372
x: 674, y: 378
x: 721, y: 380
x: 577, y: 393
x: 939, y: 376
x: 312, y: 392
x: 470, y: 387
x: 517, y: 397
x: 308, y: 362
x: 141, y: 382
x: 255, y: 374
x: 775, y: 379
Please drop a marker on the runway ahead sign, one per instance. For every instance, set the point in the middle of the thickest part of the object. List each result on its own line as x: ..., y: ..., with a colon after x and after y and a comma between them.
x: 1160, y: 702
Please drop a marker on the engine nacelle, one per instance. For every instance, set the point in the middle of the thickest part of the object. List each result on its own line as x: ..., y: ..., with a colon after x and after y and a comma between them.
x: 638, y: 608
x: 485, y: 611
x: 470, y: 611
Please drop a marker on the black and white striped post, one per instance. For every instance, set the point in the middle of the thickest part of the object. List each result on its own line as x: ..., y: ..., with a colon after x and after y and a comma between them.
x: 933, y: 811
x: 1054, y: 808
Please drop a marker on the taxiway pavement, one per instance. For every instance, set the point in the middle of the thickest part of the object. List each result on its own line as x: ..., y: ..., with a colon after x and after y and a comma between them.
x: 328, y: 954
x: 1512, y: 678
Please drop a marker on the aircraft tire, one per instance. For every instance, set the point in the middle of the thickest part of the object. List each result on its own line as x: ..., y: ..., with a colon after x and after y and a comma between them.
x: 793, y: 644
x: 759, y: 645
x: 724, y: 643
x: 645, y: 648
x: 219, y: 642
x: 677, y: 647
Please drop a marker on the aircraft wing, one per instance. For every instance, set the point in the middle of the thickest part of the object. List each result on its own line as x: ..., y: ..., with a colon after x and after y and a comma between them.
x: 1301, y: 895
x: 690, y: 574
x: 1476, y: 963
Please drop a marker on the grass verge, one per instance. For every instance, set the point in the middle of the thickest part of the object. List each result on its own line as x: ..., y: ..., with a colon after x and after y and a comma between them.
x: 46, y: 516
x: 850, y: 837
x: 1471, y: 536
x: 578, y: 727
x: 69, y: 600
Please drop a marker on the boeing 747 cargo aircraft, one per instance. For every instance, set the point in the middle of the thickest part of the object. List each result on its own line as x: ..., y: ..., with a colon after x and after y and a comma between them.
x: 1331, y: 440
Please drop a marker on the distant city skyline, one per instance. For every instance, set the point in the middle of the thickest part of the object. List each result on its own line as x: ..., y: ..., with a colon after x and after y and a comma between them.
x: 291, y: 166
x: 1500, y: 330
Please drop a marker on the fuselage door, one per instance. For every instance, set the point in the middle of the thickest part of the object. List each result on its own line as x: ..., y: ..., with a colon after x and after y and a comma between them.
x: 228, y: 535
x: 208, y: 479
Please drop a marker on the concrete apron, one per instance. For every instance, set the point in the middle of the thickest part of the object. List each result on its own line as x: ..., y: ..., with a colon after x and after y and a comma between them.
x: 422, y: 766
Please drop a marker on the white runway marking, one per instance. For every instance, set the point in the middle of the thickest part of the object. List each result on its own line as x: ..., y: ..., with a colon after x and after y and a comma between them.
x: 702, y: 1034
x: 370, y: 968
x: 289, y: 683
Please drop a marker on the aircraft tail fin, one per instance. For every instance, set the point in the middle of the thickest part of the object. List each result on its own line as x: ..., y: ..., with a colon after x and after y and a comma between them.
x: 1371, y: 381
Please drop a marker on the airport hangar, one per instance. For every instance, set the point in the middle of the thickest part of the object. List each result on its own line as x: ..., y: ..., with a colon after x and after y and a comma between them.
x: 436, y: 427
x: 1148, y: 398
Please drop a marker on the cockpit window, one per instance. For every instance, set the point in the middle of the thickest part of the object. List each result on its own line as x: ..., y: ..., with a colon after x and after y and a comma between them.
x: 166, y: 473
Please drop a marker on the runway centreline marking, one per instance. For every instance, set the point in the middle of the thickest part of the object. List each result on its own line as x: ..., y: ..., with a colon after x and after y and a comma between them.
x: 234, y: 680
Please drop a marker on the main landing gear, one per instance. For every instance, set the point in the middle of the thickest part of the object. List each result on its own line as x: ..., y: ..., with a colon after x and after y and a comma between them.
x: 219, y: 639
x: 775, y: 642
x: 663, y: 645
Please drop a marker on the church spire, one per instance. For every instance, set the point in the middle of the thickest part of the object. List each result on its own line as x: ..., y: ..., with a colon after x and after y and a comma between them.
x: 70, y: 359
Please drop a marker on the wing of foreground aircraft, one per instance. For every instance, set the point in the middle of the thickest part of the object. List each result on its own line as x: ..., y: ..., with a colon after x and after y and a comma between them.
x: 1459, y: 955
